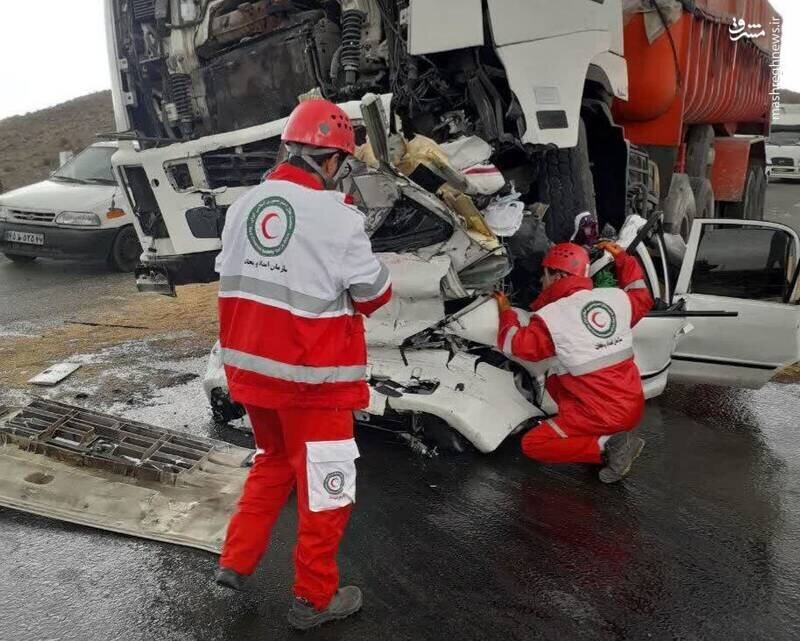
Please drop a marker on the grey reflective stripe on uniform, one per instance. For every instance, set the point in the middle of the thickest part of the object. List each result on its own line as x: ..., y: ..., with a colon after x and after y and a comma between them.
x: 637, y: 284
x: 507, y: 343
x: 364, y: 293
x: 600, y: 363
x: 293, y: 373
x: 282, y: 294
x: 556, y: 428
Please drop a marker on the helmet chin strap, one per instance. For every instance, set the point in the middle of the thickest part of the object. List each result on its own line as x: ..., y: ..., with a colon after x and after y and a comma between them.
x: 308, y: 154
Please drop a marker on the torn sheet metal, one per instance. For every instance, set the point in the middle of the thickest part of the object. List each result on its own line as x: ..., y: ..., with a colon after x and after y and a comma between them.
x: 54, y: 374
x: 478, y: 400
x: 417, y: 301
x: 71, y: 466
x: 478, y: 322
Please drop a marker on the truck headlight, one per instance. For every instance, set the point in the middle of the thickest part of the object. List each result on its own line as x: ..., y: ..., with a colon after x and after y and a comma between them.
x: 3, y: 213
x: 79, y: 218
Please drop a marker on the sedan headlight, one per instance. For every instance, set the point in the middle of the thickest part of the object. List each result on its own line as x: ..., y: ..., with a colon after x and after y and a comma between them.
x: 3, y: 213
x: 80, y: 218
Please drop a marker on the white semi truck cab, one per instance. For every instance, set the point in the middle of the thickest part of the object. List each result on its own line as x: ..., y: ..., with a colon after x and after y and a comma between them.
x: 203, y: 88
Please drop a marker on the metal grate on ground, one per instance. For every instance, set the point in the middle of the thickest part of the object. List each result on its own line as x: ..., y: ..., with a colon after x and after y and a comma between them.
x: 83, y: 437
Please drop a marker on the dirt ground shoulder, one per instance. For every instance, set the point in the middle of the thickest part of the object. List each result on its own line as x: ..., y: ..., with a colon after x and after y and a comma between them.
x: 188, y: 321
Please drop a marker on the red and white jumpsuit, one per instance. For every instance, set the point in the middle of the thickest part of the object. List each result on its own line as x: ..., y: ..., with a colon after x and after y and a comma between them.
x: 296, y: 274
x: 588, y: 335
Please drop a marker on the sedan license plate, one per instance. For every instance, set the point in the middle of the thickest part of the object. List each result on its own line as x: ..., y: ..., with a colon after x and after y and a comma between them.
x: 25, y: 237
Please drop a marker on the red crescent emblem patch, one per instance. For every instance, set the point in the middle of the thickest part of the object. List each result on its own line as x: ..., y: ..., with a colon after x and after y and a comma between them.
x: 264, y: 224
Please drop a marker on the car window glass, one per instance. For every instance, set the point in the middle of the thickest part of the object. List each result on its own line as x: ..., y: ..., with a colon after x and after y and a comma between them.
x: 93, y: 163
x: 755, y: 263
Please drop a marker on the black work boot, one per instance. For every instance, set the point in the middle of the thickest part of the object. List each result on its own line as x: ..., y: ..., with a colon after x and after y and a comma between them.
x: 230, y: 579
x: 621, y: 451
x: 346, y: 601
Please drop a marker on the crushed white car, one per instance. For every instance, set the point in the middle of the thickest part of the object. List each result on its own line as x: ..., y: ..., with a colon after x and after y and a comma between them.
x: 430, y: 370
x: 481, y: 143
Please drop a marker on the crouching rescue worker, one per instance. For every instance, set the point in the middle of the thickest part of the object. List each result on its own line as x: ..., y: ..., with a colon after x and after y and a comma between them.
x: 594, y: 380
x: 296, y: 274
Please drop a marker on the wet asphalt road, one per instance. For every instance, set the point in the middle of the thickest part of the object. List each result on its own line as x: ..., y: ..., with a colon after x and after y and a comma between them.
x: 50, y: 291
x: 702, y: 542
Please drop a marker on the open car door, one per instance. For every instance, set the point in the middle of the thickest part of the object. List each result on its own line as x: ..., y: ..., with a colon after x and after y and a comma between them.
x: 748, y: 267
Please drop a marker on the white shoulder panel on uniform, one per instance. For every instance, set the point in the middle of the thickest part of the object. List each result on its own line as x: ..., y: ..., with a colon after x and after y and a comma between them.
x: 591, y: 329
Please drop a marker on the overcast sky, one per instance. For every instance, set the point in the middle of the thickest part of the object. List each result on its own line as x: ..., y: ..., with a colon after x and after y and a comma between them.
x: 54, y: 50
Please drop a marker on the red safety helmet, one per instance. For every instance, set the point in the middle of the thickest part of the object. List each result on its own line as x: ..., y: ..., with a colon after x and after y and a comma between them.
x: 320, y: 123
x: 568, y: 257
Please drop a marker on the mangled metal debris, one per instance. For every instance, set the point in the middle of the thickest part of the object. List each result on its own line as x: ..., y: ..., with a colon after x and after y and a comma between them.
x: 110, y: 473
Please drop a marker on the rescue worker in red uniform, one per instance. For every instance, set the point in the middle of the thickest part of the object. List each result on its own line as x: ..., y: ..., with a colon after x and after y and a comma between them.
x: 587, y: 333
x: 297, y: 273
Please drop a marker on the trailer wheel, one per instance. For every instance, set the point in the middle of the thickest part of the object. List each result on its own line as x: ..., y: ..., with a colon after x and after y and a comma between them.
x: 680, y: 208
x: 699, y: 149
x: 703, y: 197
x: 761, y: 193
x: 565, y: 183
x: 751, y: 206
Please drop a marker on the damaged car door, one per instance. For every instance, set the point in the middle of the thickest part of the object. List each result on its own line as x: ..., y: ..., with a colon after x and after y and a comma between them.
x: 748, y: 267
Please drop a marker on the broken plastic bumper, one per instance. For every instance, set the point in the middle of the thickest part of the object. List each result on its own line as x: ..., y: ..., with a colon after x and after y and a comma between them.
x: 475, y: 398
x: 162, y: 275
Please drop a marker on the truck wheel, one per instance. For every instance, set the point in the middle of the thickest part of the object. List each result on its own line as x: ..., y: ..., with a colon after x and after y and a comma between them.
x: 761, y: 193
x: 680, y: 208
x: 699, y: 147
x: 703, y: 197
x: 19, y: 258
x: 125, y: 250
x: 751, y: 206
x: 566, y: 184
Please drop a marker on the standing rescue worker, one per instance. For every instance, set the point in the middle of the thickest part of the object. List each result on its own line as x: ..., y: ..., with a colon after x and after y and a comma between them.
x: 594, y: 380
x: 296, y: 274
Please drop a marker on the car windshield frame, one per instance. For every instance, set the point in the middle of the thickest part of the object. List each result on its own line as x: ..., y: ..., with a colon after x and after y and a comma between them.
x: 90, y: 166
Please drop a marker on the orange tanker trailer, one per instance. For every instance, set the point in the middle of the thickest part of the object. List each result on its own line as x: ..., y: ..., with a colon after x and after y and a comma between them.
x: 701, y: 89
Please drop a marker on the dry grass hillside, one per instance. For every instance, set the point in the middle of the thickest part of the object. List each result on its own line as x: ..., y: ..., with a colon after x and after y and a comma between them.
x: 790, y: 97
x: 29, y: 144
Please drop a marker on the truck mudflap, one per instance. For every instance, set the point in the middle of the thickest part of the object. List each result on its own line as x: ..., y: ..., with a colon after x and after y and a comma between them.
x: 105, y: 472
x: 478, y: 400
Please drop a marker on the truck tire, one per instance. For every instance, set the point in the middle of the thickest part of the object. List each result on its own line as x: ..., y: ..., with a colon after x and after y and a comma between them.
x: 566, y: 184
x: 679, y: 207
x: 751, y: 206
x: 699, y: 145
x: 19, y: 258
x: 761, y: 191
x: 125, y: 250
x: 703, y: 197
